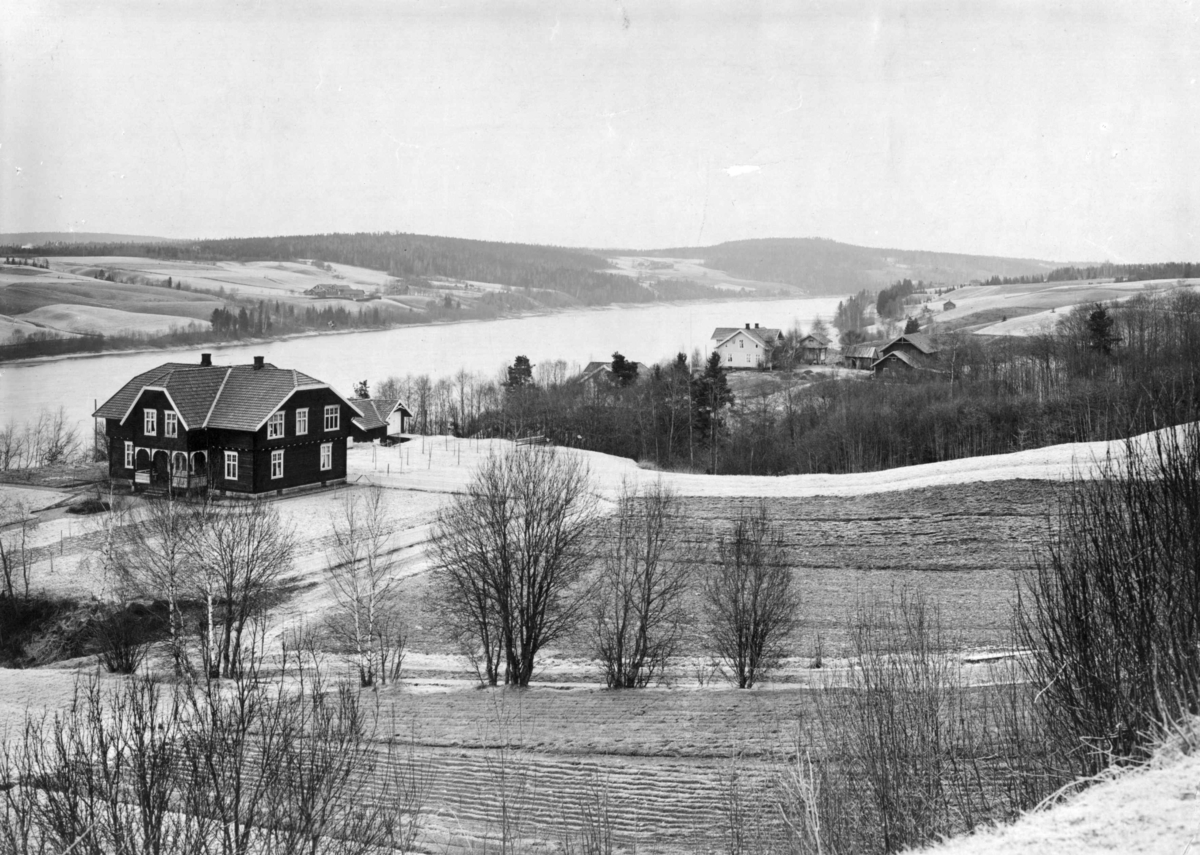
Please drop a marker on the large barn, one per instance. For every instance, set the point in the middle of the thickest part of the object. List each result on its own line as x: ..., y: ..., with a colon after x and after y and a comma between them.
x: 252, y: 429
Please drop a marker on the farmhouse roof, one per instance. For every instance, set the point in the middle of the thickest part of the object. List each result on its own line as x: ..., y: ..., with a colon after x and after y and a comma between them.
x: 764, y: 335
x: 593, y: 370
x: 376, y: 411
x: 234, y: 397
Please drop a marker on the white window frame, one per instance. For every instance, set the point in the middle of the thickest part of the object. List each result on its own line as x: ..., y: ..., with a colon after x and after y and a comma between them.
x: 128, y: 454
x: 326, y: 456
x: 301, y: 421
x: 333, y: 417
x: 231, y: 465
x: 277, y: 463
x: 275, y: 425
x: 150, y: 422
x: 170, y: 424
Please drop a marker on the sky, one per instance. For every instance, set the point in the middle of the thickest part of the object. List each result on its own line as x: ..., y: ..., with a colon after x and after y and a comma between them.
x: 1060, y: 131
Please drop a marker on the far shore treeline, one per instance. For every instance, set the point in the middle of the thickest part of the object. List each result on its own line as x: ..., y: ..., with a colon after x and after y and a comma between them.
x: 988, y: 396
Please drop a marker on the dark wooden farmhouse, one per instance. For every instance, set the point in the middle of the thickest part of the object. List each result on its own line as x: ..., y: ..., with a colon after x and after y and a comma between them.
x: 905, y: 353
x: 185, y: 427
x: 382, y: 420
x: 948, y: 305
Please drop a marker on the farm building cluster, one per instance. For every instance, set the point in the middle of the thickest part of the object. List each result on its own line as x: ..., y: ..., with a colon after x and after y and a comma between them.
x: 258, y: 428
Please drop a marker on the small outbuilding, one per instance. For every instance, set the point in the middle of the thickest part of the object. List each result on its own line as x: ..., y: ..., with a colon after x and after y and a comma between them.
x: 813, y: 349
x: 948, y: 305
x: 382, y: 420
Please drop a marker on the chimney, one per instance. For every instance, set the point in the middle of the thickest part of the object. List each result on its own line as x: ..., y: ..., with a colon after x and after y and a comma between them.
x: 747, y: 326
x: 258, y: 363
x: 206, y: 359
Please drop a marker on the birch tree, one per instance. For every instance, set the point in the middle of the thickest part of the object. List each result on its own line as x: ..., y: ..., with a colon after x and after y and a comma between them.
x: 359, y: 572
x: 156, y: 555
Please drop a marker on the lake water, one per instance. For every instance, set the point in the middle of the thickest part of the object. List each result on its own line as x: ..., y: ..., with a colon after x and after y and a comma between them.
x: 646, y: 334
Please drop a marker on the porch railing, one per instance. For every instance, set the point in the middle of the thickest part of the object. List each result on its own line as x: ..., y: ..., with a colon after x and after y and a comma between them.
x: 184, y: 481
x: 141, y: 476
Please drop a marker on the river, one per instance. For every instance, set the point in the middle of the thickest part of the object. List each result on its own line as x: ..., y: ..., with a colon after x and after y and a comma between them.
x: 646, y: 334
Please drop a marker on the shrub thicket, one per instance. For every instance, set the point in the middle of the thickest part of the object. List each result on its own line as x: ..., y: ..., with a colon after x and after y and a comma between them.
x: 1111, y: 609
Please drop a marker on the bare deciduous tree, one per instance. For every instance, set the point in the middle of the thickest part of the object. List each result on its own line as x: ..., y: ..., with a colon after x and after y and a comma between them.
x: 511, y: 552
x: 198, y: 768
x: 243, y: 553
x: 359, y: 573
x: 17, y: 555
x: 638, y: 612
x: 750, y: 598
x: 155, y: 555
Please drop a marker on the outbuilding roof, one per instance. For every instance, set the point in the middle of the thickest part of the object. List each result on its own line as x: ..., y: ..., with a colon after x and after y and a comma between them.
x: 233, y: 397
x: 376, y: 411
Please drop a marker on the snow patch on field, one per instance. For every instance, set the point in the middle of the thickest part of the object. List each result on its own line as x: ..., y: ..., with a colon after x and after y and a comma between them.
x: 96, y: 319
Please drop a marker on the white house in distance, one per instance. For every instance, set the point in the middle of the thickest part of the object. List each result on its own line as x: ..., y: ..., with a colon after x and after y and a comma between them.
x: 745, y: 347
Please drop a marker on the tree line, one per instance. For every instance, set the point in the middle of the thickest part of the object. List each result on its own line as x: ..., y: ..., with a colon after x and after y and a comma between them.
x: 1131, y: 368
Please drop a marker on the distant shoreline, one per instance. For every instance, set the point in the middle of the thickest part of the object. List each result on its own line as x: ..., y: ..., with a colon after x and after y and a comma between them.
x: 243, y: 342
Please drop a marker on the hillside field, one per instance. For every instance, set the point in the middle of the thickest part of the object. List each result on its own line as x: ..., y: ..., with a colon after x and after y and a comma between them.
x: 961, y: 532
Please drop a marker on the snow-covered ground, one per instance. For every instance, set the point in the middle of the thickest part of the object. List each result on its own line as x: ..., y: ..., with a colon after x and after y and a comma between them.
x: 1152, y: 809
x: 445, y: 465
x: 1052, y: 299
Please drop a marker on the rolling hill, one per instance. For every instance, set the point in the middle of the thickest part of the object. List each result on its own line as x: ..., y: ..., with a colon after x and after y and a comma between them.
x: 593, y: 277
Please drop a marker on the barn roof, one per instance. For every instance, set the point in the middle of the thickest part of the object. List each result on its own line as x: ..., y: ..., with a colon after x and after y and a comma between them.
x: 860, y: 351
x: 918, y: 340
x: 234, y: 397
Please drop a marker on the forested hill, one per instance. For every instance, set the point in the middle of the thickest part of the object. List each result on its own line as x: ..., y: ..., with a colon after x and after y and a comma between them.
x: 578, y: 273
x: 827, y: 267
x: 45, y: 239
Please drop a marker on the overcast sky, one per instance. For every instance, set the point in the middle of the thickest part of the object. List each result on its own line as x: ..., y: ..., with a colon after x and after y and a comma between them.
x: 1059, y: 131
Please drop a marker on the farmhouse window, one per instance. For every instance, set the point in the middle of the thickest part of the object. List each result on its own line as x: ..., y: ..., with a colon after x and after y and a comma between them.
x: 170, y: 424
x: 332, y: 417
x: 302, y: 421
x: 128, y: 455
x: 741, y: 343
x: 150, y: 422
x: 326, y: 456
x: 277, y: 464
x: 231, y: 465
x: 275, y: 426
